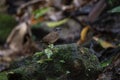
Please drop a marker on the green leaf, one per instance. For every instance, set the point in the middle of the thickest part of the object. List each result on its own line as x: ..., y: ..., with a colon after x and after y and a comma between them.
x: 62, y: 61
x: 40, y: 12
x: 48, y: 52
x: 57, y: 23
x: 105, y: 63
x: 115, y: 10
x: 38, y: 54
x: 44, y: 60
x: 51, y: 46
x: 67, y: 72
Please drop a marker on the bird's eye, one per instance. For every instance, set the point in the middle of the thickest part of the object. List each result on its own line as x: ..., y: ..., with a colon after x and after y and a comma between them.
x: 57, y: 29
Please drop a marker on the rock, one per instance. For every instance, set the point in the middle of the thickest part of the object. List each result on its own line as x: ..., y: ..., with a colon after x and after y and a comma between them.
x: 69, y: 60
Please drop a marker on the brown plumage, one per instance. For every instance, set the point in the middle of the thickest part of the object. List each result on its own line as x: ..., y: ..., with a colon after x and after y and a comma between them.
x: 51, y: 38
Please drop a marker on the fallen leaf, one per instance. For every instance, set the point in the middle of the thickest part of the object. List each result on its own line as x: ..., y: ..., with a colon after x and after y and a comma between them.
x: 15, y: 39
x: 104, y: 43
x: 83, y: 35
x: 34, y: 21
x: 115, y: 10
x: 57, y: 23
x: 40, y: 12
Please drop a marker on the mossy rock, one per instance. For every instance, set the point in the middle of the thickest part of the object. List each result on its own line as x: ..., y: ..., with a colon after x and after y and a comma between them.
x: 7, y: 23
x: 74, y: 61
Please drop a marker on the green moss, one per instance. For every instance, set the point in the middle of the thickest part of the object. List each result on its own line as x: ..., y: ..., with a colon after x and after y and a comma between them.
x: 90, y: 61
x: 7, y: 23
x: 61, y: 62
x: 3, y: 76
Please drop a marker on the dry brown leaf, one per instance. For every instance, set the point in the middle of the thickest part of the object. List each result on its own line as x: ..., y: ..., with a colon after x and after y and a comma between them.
x: 19, y: 44
x: 97, y: 10
x: 3, y: 6
x: 16, y: 38
x: 35, y: 21
x: 80, y: 3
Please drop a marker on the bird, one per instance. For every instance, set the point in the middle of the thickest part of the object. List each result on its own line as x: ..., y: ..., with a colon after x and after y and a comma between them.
x: 52, y: 37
